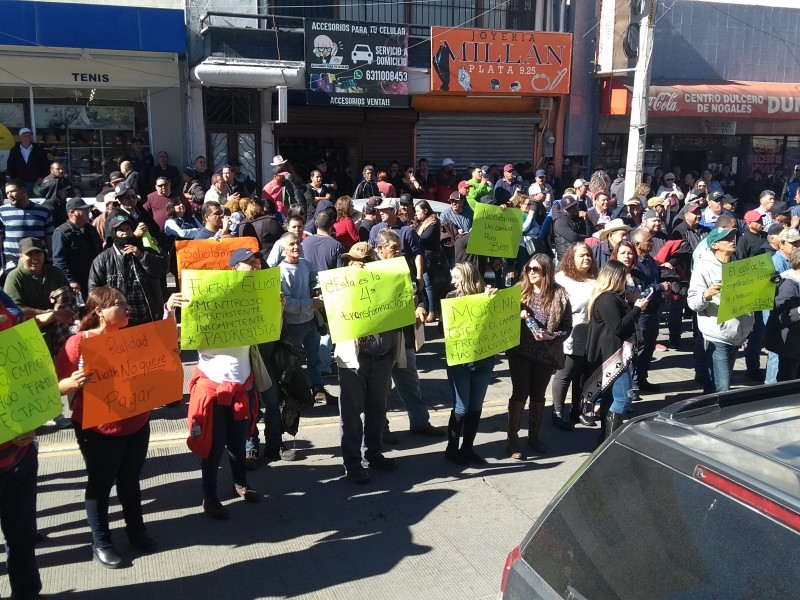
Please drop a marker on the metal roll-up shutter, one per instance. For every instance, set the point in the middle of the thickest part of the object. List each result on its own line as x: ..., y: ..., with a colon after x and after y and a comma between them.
x: 389, y: 137
x: 483, y: 138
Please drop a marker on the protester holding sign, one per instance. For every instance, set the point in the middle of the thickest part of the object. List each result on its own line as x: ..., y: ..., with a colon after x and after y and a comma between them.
x: 783, y: 325
x: 468, y: 382
x: 722, y: 339
x: 545, y: 322
x: 114, y: 452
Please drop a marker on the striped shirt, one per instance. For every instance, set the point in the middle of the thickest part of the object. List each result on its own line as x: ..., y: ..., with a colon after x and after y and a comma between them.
x: 17, y: 224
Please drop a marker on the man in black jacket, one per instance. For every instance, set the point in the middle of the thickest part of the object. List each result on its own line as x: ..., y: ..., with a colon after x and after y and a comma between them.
x: 131, y: 268
x: 27, y: 161
x: 75, y: 246
x: 752, y: 241
x: 570, y: 225
x: 55, y: 189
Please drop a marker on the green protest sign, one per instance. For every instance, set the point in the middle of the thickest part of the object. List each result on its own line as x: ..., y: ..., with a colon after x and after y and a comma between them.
x: 361, y: 302
x: 477, y: 326
x: 28, y: 384
x: 746, y: 287
x: 495, y: 232
x: 230, y: 308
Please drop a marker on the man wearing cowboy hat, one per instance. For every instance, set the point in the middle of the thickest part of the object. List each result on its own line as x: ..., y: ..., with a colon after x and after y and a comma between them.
x: 612, y: 234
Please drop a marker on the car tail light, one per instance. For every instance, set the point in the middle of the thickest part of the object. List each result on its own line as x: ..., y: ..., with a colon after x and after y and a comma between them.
x: 513, y: 557
x: 759, y: 502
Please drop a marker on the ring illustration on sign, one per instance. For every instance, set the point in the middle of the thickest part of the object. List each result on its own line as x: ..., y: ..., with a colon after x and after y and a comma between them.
x: 516, y: 86
x: 537, y: 86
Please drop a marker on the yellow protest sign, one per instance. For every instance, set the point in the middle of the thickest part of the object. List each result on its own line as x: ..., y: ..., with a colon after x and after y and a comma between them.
x: 746, y: 287
x: 477, y: 326
x: 361, y: 302
x: 28, y: 384
x: 230, y: 308
x: 213, y: 255
x: 495, y: 232
x: 132, y: 371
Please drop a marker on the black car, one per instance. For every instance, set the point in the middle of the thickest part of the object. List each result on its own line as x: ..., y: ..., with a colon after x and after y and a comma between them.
x: 700, y: 500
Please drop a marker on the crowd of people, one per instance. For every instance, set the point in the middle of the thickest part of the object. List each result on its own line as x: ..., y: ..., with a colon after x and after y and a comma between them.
x: 600, y: 277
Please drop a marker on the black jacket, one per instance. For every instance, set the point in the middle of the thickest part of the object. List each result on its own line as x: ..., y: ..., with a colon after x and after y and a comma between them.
x: 367, y: 189
x: 783, y: 326
x: 568, y: 229
x: 749, y: 245
x: 612, y: 323
x: 74, y: 251
x: 38, y: 165
x: 150, y: 267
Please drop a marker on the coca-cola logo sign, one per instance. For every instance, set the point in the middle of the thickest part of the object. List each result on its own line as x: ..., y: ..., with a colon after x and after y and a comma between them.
x: 663, y: 102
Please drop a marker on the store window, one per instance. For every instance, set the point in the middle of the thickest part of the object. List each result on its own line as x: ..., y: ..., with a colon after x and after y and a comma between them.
x: 90, y: 130
x: 14, y: 114
x: 765, y: 154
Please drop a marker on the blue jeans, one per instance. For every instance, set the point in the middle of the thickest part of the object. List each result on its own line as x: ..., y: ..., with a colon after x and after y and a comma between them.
x: 227, y: 433
x: 773, y: 362
x: 616, y: 397
x: 469, y: 384
x: 363, y: 391
x: 307, y: 336
x: 325, y: 346
x: 406, y: 381
x: 720, y: 358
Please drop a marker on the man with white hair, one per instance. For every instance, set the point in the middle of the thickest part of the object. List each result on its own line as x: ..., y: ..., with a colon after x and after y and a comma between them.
x: 27, y: 161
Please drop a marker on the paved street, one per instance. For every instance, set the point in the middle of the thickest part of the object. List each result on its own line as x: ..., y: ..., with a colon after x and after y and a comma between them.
x: 424, y: 531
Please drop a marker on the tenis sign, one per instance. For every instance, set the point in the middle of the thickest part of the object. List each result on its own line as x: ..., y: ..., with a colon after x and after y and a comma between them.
x: 356, y: 64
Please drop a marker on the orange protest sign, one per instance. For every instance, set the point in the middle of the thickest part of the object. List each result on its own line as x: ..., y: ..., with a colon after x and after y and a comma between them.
x: 133, y: 370
x: 210, y: 255
x: 502, y: 63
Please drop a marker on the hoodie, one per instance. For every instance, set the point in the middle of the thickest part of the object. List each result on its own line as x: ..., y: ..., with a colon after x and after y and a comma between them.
x: 708, y: 270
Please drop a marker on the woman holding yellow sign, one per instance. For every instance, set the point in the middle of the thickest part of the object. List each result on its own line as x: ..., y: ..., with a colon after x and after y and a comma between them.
x: 546, y: 321
x: 470, y: 381
x: 115, y: 452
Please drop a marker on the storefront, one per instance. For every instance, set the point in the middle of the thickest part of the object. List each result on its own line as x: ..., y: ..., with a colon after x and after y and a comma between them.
x: 749, y: 125
x: 85, y: 107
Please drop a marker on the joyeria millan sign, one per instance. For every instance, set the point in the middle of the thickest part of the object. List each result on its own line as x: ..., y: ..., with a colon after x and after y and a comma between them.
x: 502, y: 63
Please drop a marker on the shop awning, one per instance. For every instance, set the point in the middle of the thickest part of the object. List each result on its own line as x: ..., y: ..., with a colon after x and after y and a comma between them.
x: 226, y: 72
x: 727, y: 99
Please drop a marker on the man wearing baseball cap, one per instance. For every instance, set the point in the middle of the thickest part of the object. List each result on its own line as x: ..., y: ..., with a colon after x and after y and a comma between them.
x: 76, y: 245
x: 27, y: 162
x: 410, y: 244
x: 446, y: 180
x: 504, y: 189
x: 752, y: 238
x: 539, y: 186
x: 723, y: 340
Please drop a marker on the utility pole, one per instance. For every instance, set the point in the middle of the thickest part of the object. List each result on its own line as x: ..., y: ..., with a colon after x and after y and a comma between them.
x: 637, y: 135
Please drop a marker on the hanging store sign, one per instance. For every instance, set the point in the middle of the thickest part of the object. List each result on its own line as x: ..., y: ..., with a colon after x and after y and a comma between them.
x: 356, y: 64
x: 501, y: 63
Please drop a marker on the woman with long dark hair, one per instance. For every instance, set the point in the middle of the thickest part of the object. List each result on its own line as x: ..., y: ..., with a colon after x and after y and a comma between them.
x: 545, y: 322
x: 114, y: 453
x: 468, y: 382
x: 576, y: 274
x: 610, y: 347
x: 428, y: 228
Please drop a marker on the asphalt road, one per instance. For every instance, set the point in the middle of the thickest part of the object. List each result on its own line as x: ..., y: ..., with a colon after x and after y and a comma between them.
x: 427, y: 530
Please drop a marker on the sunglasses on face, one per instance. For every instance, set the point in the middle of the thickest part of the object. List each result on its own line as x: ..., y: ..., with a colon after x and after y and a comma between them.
x: 533, y: 269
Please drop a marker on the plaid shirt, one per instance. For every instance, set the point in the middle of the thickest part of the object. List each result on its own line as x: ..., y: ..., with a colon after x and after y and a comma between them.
x: 128, y: 280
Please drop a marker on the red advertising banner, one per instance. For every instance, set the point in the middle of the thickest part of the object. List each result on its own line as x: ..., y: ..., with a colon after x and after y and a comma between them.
x: 726, y: 100
x: 501, y: 63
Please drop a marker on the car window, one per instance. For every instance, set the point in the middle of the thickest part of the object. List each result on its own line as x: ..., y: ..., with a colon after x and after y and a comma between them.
x: 632, y: 528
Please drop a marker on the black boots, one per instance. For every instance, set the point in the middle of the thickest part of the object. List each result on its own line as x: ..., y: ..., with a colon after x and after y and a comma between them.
x: 471, y: 421
x: 515, y: 410
x: 454, y: 428
x: 613, y: 422
x: 560, y: 422
x: 535, y: 414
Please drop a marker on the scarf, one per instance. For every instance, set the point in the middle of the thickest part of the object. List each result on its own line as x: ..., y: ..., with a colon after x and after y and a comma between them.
x: 605, y: 375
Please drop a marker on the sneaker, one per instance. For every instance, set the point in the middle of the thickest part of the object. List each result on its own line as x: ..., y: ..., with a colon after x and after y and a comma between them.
x: 379, y: 461
x: 430, y: 431
x: 321, y: 395
x: 247, y: 493
x: 251, y: 460
x: 358, y: 475
x: 213, y: 509
x: 62, y: 422
x: 288, y: 454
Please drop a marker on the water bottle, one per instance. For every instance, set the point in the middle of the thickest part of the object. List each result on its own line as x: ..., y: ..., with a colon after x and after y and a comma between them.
x: 509, y: 280
x: 149, y: 242
x: 79, y: 300
x: 532, y: 324
x: 196, y: 429
x: 80, y: 362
